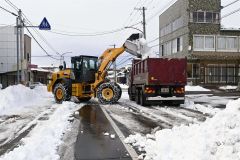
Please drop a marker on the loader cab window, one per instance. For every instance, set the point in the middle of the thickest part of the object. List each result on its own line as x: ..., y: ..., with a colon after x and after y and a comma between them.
x: 84, y: 68
x: 78, y: 65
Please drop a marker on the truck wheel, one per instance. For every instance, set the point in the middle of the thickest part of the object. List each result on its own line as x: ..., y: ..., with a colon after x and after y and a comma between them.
x: 131, y: 96
x: 85, y: 99
x: 60, y: 93
x: 107, y: 93
x: 142, y: 98
x: 137, y: 99
x: 177, y: 102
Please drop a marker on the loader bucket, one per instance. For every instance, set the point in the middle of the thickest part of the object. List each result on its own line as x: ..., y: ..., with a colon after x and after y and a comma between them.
x: 136, y: 45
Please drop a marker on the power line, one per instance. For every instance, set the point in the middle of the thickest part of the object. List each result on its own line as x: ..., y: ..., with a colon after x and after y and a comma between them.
x: 132, y: 12
x: 229, y: 14
x: 154, y: 40
x: 41, y: 45
x: 86, y: 35
x: 230, y: 4
x: 8, y: 11
x: 12, y: 5
x: 125, y: 61
x: 66, y: 33
x: 159, y: 11
x: 40, y: 35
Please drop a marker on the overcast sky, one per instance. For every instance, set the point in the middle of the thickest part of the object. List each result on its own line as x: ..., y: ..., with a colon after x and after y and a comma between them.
x: 91, y: 16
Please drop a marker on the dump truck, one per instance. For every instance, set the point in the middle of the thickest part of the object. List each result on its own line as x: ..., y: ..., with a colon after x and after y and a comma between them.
x: 158, y: 80
x: 87, y: 76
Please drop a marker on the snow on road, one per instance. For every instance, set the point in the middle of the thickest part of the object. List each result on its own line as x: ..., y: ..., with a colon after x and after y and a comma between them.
x: 215, y: 139
x: 34, y: 112
x: 43, y: 140
x: 20, y: 107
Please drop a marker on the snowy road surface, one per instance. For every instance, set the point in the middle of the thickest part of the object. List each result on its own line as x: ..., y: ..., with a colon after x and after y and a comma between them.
x: 34, y: 127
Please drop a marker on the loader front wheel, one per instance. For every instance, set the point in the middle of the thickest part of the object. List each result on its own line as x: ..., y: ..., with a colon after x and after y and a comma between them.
x: 119, y: 90
x: 60, y: 93
x: 107, y: 93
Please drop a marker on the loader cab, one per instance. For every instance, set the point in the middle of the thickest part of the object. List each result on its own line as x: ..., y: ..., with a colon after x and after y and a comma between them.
x: 84, y: 68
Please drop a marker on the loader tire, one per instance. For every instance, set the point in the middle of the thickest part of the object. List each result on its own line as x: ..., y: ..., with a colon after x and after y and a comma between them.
x: 60, y: 93
x: 119, y: 90
x: 107, y: 93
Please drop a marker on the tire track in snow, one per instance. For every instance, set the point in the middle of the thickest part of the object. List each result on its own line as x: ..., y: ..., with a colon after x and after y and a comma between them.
x: 24, y: 131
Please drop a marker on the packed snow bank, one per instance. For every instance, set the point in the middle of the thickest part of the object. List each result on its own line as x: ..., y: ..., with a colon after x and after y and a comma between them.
x: 217, y: 138
x: 196, y: 88
x: 228, y: 87
x: 123, y: 86
x: 43, y: 140
x: 15, y: 98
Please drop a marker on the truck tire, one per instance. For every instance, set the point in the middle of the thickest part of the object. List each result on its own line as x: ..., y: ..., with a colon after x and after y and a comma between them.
x: 137, y: 98
x: 131, y: 98
x: 107, y: 93
x: 84, y: 99
x: 177, y: 102
x: 142, y: 99
x: 60, y: 93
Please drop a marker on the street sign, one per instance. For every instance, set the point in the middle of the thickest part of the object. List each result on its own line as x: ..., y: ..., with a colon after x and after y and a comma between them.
x: 44, y: 25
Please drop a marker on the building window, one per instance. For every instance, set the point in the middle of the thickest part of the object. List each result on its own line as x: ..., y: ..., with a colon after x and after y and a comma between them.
x: 175, y: 46
x: 209, y: 42
x: 221, y: 73
x: 209, y: 17
x: 204, y: 17
x: 162, y: 50
x: 204, y: 43
x: 193, y: 70
x: 168, y: 50
x: 199, y: 42
x: 173, y: 26
x: 225, y: 43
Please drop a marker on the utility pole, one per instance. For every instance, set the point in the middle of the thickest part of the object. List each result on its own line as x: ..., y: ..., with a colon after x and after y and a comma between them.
x: 143, y: 9
x: 17, y: 27
x: 115, y: 66
x: 19, y: 45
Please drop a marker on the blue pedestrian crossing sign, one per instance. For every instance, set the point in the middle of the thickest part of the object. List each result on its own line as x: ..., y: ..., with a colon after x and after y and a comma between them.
x: 45, y: 25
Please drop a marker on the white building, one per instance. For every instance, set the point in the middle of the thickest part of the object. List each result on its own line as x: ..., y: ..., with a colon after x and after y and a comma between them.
x: 8, y: 56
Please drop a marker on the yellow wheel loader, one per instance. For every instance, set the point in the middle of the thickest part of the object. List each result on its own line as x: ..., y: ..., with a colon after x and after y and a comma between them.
x: 87, y: 76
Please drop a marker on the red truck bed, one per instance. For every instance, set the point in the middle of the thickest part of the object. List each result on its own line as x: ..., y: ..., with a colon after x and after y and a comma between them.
x: 158, y: 81
x: 159, y: 71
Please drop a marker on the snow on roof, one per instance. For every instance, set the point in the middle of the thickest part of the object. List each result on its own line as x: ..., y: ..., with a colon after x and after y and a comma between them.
x: 40, y: 70
x: 230, y: 29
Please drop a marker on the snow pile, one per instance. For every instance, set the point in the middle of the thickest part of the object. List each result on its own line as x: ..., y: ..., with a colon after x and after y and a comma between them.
x: 15, y: 98
x: 123, y: 86
x: 217, y: 138
x: 196, y: 88
x: 201, y: 108
x: 228, y: 87
x: 44, y: 139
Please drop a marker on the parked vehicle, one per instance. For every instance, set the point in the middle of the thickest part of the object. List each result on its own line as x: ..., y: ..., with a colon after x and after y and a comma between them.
x: 32, y: 85
x: 158, y: 80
